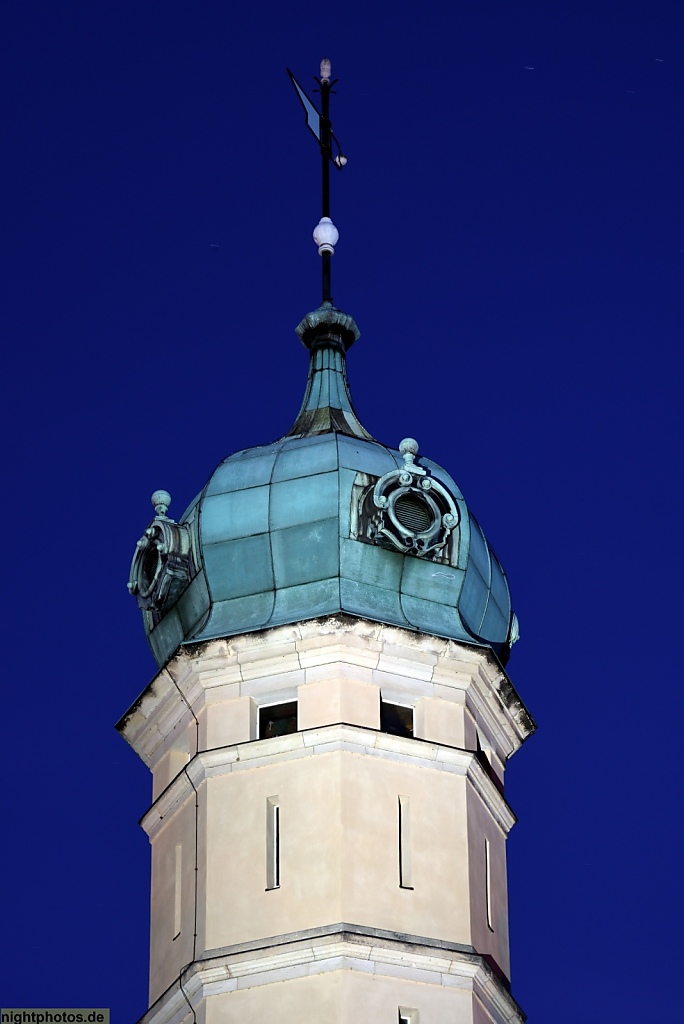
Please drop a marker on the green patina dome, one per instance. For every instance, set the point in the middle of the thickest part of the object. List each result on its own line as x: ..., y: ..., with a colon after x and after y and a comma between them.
x: 326, y: 520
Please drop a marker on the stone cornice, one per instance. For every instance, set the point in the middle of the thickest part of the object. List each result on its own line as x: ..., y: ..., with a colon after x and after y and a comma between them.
x: 289, y: 656
x: 332, y: 948
x: 326, y: 740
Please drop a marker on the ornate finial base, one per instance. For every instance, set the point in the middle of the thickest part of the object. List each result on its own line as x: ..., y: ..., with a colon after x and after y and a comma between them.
x: 328, y: 325
x: 328, y: 333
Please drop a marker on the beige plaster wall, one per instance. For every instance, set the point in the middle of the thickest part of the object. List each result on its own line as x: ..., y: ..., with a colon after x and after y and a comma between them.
x: 339, y: 856
x: 168, y: 954
x: 329, y: 701
x: 179, y: 747
x: 238, y: 905
x: 376, y: 998
x: 481, y: 826
x: 437, y: 906
x: 225, y: 722
x: 339, y: 850
x: 318, y: 999
x: 343, y: 997
x: 480, y: 1015
x: 444, y: 721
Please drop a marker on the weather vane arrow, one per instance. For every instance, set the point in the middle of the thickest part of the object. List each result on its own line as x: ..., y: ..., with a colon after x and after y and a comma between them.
x: 325, y: 232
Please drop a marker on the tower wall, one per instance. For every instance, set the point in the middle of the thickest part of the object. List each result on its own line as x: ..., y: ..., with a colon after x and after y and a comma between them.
x: 390, y: 887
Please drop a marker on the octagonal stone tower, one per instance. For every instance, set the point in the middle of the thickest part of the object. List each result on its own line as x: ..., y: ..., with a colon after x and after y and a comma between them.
x: 327, y: 732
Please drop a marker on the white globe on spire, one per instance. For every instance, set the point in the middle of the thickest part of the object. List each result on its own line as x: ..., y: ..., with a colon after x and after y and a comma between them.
x: 325, y: 235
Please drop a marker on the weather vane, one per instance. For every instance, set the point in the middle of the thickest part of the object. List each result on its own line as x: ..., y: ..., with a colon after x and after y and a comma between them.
x: 325, y: 233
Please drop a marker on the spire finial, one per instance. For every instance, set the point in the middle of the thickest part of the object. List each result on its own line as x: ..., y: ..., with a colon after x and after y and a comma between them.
x: 325, y: 233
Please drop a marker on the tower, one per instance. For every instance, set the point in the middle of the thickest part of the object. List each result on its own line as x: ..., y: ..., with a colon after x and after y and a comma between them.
x: 329, y: 725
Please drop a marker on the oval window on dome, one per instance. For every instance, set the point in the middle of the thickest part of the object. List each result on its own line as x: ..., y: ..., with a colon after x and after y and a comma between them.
x: 149, y: 568
x: 413, y: 512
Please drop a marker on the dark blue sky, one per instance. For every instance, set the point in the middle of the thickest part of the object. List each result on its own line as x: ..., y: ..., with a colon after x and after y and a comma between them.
x: 512, y: 248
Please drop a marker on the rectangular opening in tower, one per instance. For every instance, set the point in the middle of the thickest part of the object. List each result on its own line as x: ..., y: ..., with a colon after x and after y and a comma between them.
x: 396, y: 719
x: 407, y: 1016
x: 277, y: 720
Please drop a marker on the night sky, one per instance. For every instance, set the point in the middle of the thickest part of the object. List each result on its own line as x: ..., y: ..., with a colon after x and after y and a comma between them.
x: 512, y: 249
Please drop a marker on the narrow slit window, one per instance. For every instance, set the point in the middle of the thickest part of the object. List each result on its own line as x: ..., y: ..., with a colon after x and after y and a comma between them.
x: 396, y: 719
x: 405, y: 874
x: 488, y: 884
x: 277, y: 720
x: 272, y: 843
x: 177, y: 891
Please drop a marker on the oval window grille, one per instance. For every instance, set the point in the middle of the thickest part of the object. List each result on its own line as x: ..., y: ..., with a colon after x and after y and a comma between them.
x: 413, y: 513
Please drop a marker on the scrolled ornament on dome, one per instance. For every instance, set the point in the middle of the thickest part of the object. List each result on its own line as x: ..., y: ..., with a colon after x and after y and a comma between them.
x: 407, y: 510
x: 160, y: 570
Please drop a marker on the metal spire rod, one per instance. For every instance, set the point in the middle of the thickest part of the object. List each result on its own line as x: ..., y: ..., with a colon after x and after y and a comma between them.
x: 325, y: 166
x: 325, y: 233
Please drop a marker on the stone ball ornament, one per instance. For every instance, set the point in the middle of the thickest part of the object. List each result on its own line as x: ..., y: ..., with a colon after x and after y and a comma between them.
x: 161, y: 501
x: 409, y: 448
